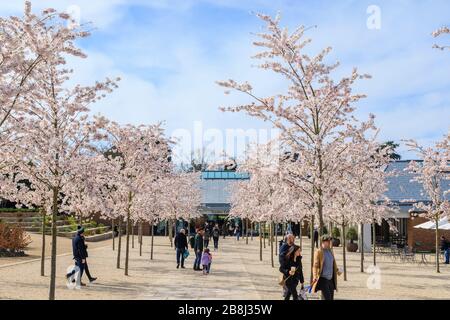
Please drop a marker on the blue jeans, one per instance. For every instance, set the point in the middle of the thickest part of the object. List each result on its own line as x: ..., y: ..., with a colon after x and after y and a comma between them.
x: 198, y: 258
x: 447, y: 256
x: 238, y: 235
x: 180, y: 256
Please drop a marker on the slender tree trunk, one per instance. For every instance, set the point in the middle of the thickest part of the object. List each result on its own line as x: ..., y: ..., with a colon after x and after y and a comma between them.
x: 374, y: 243
x: 260, y: 243
x: 301, y: 235
x: 119, y: 245
x: 344, y: 252
x: 276, y: 239
x: 246, y: 231
x: 165, y: 228
x: 127, y: 246
x: 189, y: 228
x: 80, y: 220
x: 438, y: 251
x: 264, y: 234
x: 171, y: 233
x: 362, y: 247
x: 140, y: 239
x: 271, y: 244
x: 252, y: 227
x: 152, y: 227
x: 53, y: 255
x: 311, y: 230
x: 43, y: 244
x: 132, y: 234
x: 113, y: 237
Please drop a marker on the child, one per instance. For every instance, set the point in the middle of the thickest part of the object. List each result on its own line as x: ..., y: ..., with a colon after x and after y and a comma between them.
x: 206, y: 261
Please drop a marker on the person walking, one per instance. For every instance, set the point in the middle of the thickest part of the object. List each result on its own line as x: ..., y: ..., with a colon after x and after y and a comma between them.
x: 288, y: 242
x: 292, y: 270
x: 216, y: 236
x: 316, y: 238
x: 237, y: 232
x: 86, y: 266
x: 198, y: 248
x: 181, y: 245
x: 79, y: 255
x: 207, y: 236
x: 206, y: 261
x: 325, y: 270
x: 445, y: 246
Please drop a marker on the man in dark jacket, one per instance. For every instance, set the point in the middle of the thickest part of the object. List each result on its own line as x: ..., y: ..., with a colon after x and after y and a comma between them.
x: 198, y: 249
x: 288, y: 243
x: 445, y: 246
x: 181, y: 245
x: 79, y: 254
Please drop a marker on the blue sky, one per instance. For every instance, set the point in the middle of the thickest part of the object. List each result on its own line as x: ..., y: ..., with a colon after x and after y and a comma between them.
x: 170, y: 53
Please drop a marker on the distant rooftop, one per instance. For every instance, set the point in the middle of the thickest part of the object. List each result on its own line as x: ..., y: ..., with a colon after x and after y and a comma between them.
x: 224, y: 175
x: 401, y: 188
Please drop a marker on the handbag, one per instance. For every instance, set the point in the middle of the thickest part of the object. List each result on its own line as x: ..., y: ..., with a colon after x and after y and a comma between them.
x: 186, y: 254
x: 282, y: 280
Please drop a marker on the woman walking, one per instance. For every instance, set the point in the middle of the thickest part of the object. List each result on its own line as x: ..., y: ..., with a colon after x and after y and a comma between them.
x: 292, y: 270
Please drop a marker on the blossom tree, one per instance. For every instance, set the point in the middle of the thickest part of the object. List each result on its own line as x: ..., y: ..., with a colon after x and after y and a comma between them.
x: 440, y: 32
x: 143, y: 153
x: 315, y: 115
x: 181, y: 198
x: 433, y: 173
x: 55, y: 128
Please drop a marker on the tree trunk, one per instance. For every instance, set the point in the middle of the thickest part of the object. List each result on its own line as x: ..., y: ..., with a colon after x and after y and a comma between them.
x: 271, y: 244
x: 344, y: 252
x: 152, y: 227
x: 171, y: 232
x: 374, y: 244
x: 53, y: 255
x: 260, y: 243
x: 301, y: 235
x: 362, y: 247
x: 127, y: 246
x: 276, y: 239
x: 252, y: 227
x: 311, y: 230
x: 132, y: 235
x: 438, y: 251
x: 246, y: 231
x: 80, y: 220
x: 165, y: 228
x: 113, y: 237
x: 140, y: 239
x: 264, y: 234
x: 119, y: 245
x: 43, y: 244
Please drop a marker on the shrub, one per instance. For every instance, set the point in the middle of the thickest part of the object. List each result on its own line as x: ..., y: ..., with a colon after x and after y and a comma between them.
x: 13, y: 239
x: 352, y: 234
x: 336, y: 233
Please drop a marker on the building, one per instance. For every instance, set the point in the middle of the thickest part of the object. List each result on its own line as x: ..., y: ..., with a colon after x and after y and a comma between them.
x: 217, y: 188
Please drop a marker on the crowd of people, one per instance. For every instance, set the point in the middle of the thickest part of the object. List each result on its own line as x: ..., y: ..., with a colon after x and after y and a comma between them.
x: 325, y: 270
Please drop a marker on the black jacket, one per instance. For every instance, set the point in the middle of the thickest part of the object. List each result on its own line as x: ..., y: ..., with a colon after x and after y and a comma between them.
x: 181, y: 241
x: 445, y: 244
x: 198, y: 245
x: 79, y: 248
x: 216, y: 233
x: 286, y: 266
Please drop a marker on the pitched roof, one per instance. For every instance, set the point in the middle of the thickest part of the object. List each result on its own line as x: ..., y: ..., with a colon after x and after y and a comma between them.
x: 401, y: 187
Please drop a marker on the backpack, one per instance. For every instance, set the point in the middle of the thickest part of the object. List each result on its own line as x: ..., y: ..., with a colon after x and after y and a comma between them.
x: 192, y: 242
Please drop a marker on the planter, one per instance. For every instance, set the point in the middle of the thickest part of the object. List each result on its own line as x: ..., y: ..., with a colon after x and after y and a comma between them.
x: 352, y: 247
x: 336, y: 242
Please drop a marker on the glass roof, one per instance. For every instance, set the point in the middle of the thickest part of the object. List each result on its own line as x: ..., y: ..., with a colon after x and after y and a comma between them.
x: 225, y: 175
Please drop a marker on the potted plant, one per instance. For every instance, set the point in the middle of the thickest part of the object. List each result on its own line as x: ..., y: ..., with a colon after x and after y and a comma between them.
x: 336, y: 234
x: 352, y: 235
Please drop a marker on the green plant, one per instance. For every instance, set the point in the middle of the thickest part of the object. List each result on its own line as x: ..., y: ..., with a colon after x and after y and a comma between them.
x: 352, y: 234
x: 336, y: 233
x: 324, y: 230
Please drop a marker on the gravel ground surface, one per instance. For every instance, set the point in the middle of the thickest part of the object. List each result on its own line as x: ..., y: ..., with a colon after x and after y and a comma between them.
x: 236, y: 273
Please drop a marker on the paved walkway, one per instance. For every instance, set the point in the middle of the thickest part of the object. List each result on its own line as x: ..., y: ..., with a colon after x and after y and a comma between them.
x: 236, y: 273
